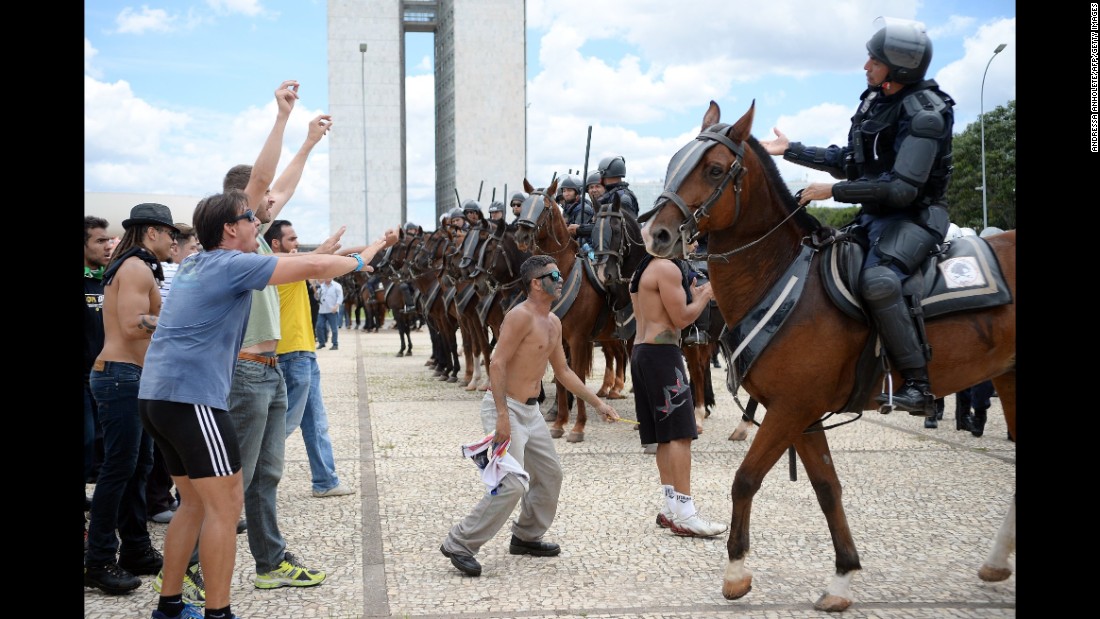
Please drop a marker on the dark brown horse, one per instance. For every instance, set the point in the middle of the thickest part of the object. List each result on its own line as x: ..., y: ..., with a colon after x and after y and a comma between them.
x: 427, y: 264
x: 761, y: 241
x: 541, y: 229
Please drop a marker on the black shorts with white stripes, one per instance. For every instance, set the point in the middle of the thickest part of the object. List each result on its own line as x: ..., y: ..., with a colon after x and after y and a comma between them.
x: 196, y: 441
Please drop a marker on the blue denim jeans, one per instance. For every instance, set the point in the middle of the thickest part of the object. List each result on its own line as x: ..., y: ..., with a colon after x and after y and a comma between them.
x: 325, y: 322
x: 306, y: 408
x: 257, y: 406
x: 119, y: 499
x: 91, y: 426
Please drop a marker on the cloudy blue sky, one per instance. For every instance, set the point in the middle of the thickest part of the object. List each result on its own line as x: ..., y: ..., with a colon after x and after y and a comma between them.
x: 176, y: 92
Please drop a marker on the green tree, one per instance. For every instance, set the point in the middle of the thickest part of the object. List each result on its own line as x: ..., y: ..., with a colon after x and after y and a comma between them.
x: 964, y: 196
x: 832, y: 215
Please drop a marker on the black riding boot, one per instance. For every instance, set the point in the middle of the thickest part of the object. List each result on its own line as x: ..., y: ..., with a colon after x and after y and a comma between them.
x: 915, y: 394
x: 978, y: 426
x: 932, y: 422
x: 899, y: 336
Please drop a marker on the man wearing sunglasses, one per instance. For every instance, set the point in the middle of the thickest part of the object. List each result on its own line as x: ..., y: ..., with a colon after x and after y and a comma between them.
x: 530, y: 337
x: 665, y: 302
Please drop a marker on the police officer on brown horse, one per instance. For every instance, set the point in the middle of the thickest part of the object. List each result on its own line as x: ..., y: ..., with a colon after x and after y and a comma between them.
x: 897, y: 164
x: 612, y: 170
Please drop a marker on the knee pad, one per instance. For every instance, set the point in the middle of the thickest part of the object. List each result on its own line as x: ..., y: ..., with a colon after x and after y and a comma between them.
x: 880, y: 286
x: 906, y: 244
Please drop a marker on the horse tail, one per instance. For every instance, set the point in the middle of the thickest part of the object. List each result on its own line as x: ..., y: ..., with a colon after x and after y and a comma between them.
x: 583, y: 360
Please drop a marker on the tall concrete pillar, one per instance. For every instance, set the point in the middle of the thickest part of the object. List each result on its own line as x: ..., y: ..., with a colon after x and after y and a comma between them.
x: 480, y: 106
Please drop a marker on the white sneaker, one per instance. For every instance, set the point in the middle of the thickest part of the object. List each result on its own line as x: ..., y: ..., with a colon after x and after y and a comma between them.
x: 340, y: 490
x: 664, y: 518
x: 696, y: 527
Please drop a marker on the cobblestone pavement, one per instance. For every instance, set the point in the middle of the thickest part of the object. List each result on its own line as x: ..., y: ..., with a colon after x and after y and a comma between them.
x: 923, y: 505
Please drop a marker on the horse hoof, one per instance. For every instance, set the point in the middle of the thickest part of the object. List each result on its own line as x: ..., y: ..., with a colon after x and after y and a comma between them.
x: 470, y: 387
x: 707, y: 415
x: 832, y: 603
x: 399, y: 354
x: 735, y: 590
x: 484, y: 387
x: 452, y: 379
x: 739, y: 435
x: 575, y: 437
x: 615, y: 395
x: 994, y: 574
x: 429, y: 363
x: 556, y: 432
x: 602, y: 393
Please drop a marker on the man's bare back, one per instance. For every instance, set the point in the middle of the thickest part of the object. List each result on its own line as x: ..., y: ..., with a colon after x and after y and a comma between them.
x: 660, y: 305
x: 131, y: 304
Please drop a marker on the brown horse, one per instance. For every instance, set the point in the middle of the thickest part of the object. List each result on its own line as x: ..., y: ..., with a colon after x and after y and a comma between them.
x: 427, y: 265
x: 761, y: 241
x: 541, y: 229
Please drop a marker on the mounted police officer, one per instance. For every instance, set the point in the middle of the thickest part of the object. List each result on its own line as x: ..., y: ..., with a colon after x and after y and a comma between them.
x: 517, y: 204
x: 897, y: 164
x: 471, y: 210
x: 612, y: 170
x: 594, y: 187
x: 579, y: 215
x: 496, y: 210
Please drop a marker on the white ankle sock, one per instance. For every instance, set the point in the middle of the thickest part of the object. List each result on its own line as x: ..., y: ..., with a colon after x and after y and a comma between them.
x: 684, y: 506
x: 669, y: 493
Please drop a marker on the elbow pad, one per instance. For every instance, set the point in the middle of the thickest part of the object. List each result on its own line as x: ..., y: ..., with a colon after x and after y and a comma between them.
x: 823, y: 159
x: 894, y: 194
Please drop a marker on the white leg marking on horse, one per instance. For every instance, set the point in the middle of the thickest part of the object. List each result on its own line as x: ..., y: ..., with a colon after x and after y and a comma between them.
x: 841, y: 585
x: 736, y: 570
x: 996, y: 567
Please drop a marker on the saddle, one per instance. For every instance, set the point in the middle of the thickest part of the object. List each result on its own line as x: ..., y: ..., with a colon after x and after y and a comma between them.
x: 963, y: 274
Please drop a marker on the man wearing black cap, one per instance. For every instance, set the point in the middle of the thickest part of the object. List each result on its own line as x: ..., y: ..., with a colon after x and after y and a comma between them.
x: 131, y: 306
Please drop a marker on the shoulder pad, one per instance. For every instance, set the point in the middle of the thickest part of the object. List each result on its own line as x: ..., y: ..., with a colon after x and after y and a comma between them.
x: 926, y: 99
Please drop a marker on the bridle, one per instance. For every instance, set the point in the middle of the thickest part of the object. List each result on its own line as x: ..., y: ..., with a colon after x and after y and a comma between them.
x: 682, y: 163
x: 609, y: 245
x: 430, y: 251
x: 531, y: 215
x: 497, y: 242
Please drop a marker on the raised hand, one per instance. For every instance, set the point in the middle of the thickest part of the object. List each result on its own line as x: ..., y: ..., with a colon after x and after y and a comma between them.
x: 319, y: 126
x: 285, y: 95
x: 777, y: 146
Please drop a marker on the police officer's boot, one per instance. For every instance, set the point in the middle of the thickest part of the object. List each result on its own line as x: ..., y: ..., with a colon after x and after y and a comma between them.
x: 963, y: 419
x: 977, y: 427
x: 882, y: 290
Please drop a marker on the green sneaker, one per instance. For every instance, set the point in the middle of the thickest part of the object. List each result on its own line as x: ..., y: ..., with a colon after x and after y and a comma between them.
x: 194, y: 589
x: 291, y: 573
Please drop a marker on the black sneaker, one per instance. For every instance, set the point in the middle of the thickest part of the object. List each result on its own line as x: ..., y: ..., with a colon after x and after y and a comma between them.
x: 111, y: 579
x: 145, y: 561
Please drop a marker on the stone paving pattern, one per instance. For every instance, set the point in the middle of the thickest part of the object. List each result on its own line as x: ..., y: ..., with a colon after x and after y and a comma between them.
x: 923, y: 505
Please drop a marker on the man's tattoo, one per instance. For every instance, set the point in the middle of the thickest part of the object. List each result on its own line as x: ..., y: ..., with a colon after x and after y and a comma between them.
x: 148, y: 323
x: 667, y: 337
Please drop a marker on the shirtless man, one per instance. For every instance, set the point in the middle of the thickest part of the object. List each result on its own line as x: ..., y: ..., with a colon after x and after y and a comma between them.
x: 529, y: 337
x: 662, y: 397
x: 131, y: 305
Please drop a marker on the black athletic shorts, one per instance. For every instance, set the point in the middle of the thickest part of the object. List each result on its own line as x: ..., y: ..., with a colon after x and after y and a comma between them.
x: 662, y: 394
x: 197, y: 441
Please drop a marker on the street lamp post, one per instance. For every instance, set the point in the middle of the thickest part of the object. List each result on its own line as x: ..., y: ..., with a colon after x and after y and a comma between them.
x: 363, y: 90
x: 981, y: 116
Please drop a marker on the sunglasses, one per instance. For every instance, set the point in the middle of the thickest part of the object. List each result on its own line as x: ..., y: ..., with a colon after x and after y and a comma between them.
x: 555, y: 276
x: 249, y: 215
x: 517, y: 204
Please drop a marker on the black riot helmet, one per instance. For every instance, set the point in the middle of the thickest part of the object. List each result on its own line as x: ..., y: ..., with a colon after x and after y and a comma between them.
x: 410, y: 226
x: 612, y: 166
x: 455, y: 212
x: 496, y: 207
x: 594, y: 179
x: 903, y: 46
x: 571, y: 182
x: 519, y: 196
x: 471, y: 205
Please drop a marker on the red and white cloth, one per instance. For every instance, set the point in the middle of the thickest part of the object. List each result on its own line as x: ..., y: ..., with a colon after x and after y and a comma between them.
x: 495, y: 462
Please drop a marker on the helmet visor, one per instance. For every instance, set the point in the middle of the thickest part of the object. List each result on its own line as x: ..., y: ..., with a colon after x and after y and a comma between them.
x: 905, y: 41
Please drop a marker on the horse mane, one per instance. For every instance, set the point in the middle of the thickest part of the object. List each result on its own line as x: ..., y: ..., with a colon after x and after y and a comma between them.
x: 804, y: 219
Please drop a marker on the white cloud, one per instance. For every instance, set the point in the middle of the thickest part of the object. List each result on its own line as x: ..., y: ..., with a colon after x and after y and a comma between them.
x: 250, y: 8
x: 89, y: 56
x: 129, y: 21
x: 962, y: 79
